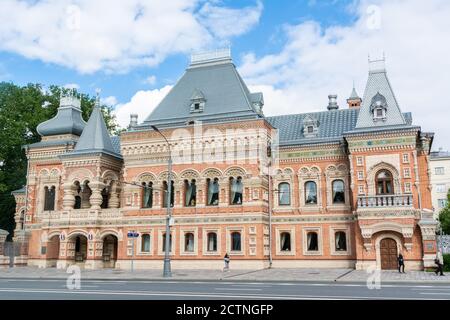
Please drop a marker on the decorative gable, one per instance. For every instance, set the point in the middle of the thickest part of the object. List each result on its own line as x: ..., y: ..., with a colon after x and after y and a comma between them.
x: 310, y: 127
x: 198, y: 101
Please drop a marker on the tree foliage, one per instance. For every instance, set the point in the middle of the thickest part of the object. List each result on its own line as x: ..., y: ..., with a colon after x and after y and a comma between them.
x: 444, y: 216
x: 21, y: 110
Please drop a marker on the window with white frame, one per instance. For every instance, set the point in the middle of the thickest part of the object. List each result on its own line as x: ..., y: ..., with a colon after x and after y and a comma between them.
x: 211, y: 242
x: 359, y: 161
x: 310, y: 192
x: 441, y: 188
x: 442, y: 203
x: 407, y: 187
x: 340, y: 240
x: 284, y: 194
x: 406, y: 173
x: 361, y: 189
x: 164, y: 242
x: 312, y: 241
x: 236, y: 241
x: 189, y: 242
x: 439, y: 170
x: 405, y: 158
x: 285, y: 241
x: 360, y: 175
x: 338, y: 191
x: 145, y: 243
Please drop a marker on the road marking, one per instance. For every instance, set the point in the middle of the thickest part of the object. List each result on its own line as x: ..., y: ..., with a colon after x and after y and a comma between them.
x: 203, y: 295
x: 239, y: 289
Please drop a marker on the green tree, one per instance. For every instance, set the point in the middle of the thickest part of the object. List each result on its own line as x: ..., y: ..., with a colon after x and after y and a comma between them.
x: 22, y: 108
x: 444, y: 216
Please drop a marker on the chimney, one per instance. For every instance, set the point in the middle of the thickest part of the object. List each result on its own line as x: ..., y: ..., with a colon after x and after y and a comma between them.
x: 332, y: 102
x: 133, y: 120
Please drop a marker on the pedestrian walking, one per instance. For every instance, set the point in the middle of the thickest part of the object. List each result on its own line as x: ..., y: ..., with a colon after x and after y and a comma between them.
x: 226, y: 259
x: 401, y: 263
x: 440, y: 264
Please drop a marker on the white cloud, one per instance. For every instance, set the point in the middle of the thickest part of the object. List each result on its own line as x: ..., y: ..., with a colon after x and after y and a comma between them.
x: 109, y: 101
x: 72, y: 86
x: 150, y: 80
x: 142, y: 104
x: 226, y: 22
x: 317, y: 61
x: 114, y: 35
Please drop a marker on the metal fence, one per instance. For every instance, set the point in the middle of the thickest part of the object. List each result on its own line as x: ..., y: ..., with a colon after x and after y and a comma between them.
x: 443, y: 243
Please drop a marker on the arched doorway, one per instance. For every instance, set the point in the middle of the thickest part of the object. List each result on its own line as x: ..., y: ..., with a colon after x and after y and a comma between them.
x: 80, y: 248
x: 109, y: 251
x: 388, y: 254
x: 52, y: 254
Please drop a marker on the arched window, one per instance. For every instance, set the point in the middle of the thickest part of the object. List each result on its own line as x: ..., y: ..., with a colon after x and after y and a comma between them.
x: 147, y: 194
x: 213, y: 192
x: 49, y: 200
x: 284, y: 194
x: 310, y: 192
x: 312, y: 241
x: 338, y: 191
x: 164, y: 243
x: 384, y: 182
x: 77, y: 204
x: 189, y: 242
x: 145, y: 244
x: 190, y: 193
x: 341, y: 241
x: 164, y: 194
x: 212, y: 241
x: 235, y: 241
x: 285, y: 241
x: 236, y: 190
x: 105, y: 197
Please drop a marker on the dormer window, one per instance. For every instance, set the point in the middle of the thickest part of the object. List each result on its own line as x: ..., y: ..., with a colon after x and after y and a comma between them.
x: 378, y: 107
x: 310, y: 127
x: 198, y: 101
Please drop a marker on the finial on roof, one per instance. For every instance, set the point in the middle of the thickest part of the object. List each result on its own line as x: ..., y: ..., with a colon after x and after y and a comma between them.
x: 97, y: 97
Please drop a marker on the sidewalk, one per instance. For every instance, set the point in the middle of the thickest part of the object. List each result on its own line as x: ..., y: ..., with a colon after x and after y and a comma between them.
x: 285, y: 275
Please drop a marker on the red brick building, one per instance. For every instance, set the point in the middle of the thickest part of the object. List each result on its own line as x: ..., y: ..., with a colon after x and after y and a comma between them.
x: 344, y: 187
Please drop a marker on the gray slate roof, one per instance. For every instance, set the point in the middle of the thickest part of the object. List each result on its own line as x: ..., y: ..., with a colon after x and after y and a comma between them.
x: 378, y: 82
x: 226, y: 95
x: 332, y: 125
x: 68, y: 120
x: 95, y: 137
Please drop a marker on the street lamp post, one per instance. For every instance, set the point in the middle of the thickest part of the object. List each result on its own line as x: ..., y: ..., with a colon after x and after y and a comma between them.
x: 167, y: 273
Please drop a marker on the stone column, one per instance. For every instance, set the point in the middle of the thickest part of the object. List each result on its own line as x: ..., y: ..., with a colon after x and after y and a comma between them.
x: 114, y: 200
x: 96, y: 198
x: 69, y: 196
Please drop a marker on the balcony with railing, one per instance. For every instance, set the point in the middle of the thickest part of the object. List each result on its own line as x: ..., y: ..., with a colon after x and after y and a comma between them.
x: 381, y: 201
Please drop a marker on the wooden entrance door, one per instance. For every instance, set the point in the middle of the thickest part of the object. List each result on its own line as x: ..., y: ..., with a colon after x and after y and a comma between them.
x: 388, y: 250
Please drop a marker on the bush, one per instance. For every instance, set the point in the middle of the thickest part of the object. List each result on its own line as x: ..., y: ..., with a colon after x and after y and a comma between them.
x: 446, y: 262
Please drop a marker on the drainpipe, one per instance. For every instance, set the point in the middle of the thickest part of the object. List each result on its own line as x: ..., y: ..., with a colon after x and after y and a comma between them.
x: 269, y: 202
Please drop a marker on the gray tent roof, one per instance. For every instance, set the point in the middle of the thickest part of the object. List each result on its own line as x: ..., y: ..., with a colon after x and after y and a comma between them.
x: 95, y: 137
x: 225, y: 93
x: 378, y: 84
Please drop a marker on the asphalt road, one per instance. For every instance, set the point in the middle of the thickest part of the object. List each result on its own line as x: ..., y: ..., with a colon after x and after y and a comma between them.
x: 25, y: 289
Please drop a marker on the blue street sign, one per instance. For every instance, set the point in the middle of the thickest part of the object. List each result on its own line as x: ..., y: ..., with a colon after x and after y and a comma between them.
x: 133, y: 234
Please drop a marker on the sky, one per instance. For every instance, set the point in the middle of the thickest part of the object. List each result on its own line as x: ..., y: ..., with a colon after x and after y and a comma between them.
x: 295, y: 52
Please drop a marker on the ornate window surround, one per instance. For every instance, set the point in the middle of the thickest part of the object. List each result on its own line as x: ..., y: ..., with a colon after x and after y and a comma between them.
x: 139, y: 243
x: 160, y: 242
x: 278, y: 232
x: 332, y: 173
x: 333, y: 230
x: 310, y: 174
x: 183, y: 232
x: 229, y: 231
x: 318, y: 230
x: 286, y: 176
x: 205, y: 242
